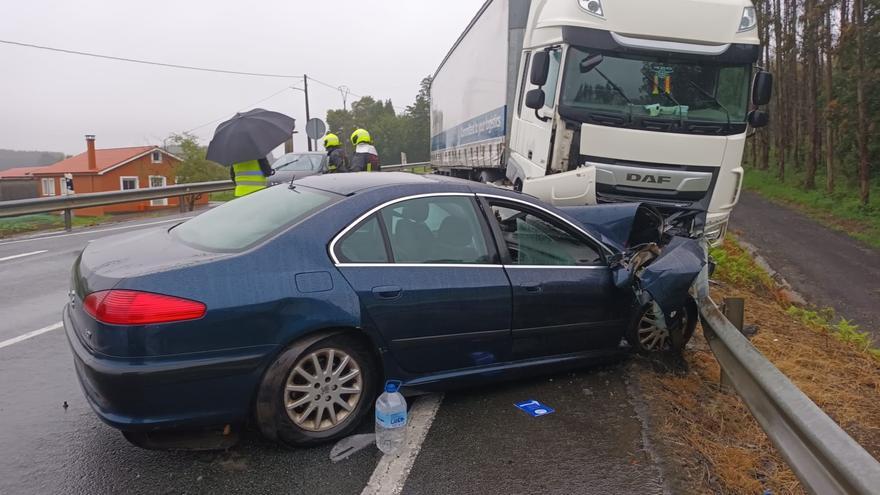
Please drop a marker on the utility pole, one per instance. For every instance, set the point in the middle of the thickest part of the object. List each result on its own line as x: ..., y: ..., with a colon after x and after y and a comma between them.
x: 308, y: 117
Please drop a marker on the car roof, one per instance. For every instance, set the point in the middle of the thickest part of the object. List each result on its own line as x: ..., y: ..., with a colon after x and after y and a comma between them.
x: 352, y: 183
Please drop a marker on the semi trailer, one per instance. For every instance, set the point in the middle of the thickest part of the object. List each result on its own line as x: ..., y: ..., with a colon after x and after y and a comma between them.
x: 603, y: 101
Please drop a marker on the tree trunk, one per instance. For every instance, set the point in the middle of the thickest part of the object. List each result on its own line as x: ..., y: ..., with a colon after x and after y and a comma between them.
x: 764, y: 151
x: 829, y: 101
x: 864, y: 166
x: 811, y: 68
x: 780, y: 117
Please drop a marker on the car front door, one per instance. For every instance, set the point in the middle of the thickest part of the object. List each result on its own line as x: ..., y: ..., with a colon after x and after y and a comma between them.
x: 564, y: 298
x: 430, y: 282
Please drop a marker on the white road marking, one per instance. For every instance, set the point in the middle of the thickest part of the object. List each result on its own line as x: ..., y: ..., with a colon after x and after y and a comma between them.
x: 22, y: 255
x: 392, y: 471
x: 15, y: 340
x: 50, y: 236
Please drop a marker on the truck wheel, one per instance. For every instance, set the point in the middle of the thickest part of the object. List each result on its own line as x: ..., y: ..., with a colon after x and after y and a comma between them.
x: 317, y: 394
x: 518, y: 185
x: 647, y: 337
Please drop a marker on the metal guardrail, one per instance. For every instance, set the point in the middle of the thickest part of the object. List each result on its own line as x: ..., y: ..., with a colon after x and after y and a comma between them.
x: 74, y: 201
x: 823, y: 456
x: 406, y: 167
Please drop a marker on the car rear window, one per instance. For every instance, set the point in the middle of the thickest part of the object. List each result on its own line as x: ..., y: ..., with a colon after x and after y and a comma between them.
x: 245, y: 221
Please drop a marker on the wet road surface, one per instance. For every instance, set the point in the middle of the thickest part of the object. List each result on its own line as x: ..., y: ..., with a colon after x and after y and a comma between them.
x: 829, y: 268
x: 478, y: 443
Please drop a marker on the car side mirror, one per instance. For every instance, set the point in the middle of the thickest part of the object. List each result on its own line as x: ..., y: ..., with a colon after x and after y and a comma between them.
x: 540, y: 68
x: 758, y: 118
x: 591, y: 63
x: 762, y: 88
x: 535, y: 99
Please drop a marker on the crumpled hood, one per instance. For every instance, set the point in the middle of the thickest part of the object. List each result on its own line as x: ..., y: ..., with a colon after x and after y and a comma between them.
x: 614, y: 223
x: 671, y: 275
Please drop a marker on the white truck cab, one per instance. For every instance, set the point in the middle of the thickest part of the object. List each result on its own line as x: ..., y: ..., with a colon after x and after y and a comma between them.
x: 649, y: 100
x: 655, y: 95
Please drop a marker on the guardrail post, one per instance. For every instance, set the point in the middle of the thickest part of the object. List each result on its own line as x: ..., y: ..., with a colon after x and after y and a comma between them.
x: 68, y: 220
x: 734, y: 309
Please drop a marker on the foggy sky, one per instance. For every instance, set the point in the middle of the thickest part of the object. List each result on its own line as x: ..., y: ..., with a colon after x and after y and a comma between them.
x: 48, y: 100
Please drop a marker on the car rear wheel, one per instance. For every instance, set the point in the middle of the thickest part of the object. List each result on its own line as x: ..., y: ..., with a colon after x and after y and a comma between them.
x: 648, y: 336
x: 318, y: 393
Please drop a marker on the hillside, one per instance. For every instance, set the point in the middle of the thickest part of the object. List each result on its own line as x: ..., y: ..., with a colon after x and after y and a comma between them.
x: 12, y: 158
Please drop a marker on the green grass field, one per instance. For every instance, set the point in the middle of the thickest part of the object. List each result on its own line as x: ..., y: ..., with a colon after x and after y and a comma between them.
x: 46, y: 221
x: 840, y: 211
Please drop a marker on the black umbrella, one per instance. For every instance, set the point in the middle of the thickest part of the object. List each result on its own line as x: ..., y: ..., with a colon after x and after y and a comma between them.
x: 249, y: 136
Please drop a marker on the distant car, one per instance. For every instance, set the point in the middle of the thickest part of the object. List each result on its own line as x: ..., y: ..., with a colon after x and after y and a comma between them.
x: 291, y: 306
x: 298, y: 165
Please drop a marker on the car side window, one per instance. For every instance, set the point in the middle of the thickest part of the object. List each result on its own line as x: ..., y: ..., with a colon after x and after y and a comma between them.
x: 364, y: 244
x: 442, y: 229
x: 535, y: 238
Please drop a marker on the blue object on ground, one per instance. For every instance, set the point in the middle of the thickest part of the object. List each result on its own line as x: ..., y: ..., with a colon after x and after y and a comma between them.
x: 534, y: 408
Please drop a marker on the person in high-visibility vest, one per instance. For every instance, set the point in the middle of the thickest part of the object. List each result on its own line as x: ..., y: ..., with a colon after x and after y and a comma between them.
x: 337, y: 162
x: 365, y: 157
x: 250, y: 176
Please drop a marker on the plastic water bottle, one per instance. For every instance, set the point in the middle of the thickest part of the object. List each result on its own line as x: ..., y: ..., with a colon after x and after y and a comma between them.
x: 390, y: 419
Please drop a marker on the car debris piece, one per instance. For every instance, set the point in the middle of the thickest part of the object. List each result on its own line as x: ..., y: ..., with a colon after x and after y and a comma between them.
x: 346, y: 447
x: 534, y: 408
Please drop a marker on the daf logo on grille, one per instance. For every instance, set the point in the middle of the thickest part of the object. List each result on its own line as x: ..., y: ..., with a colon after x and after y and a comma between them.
x: 649, y: 179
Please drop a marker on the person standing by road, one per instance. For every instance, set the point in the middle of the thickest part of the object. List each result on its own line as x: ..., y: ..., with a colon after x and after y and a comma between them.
x: 337, y: 161
x: 365, y: 157
x: 250, y: 176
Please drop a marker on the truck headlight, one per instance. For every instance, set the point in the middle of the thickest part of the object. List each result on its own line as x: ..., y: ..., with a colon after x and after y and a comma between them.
x: 594, y: 7
x: 749, y: 20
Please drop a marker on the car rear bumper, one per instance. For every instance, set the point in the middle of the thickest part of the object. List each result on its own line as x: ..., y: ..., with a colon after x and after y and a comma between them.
x: 191, y: 391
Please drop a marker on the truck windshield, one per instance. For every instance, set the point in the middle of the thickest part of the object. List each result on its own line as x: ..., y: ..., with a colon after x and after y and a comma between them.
x: 635, y: 88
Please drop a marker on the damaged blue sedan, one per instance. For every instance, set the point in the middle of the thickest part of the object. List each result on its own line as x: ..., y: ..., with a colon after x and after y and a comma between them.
x: 288, y: 308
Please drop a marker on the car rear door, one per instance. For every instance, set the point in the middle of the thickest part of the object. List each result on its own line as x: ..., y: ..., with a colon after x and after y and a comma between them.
x: 564, y: 298
x: 430, y: 281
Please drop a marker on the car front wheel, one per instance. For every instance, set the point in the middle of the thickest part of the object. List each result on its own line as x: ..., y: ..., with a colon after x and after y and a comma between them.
x: 318, y: 393
x: 648, y: 335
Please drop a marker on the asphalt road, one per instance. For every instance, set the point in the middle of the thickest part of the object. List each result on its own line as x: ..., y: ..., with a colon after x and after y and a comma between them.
x: 478, y: 443
x: 828, y: 268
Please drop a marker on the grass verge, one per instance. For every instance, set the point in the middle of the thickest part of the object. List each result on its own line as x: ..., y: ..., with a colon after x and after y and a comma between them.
x: 840, y: 210
x: 709, y: 439
x: 33, y: 223
x: 223, y: 196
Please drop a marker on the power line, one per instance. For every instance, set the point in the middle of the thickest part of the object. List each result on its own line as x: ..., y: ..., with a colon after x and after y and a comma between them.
x: 341, y: 89
x: 148, y: 62
x: 273, y: 95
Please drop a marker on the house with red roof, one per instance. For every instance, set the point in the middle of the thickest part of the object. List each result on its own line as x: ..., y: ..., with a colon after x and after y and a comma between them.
x: 110, y: 169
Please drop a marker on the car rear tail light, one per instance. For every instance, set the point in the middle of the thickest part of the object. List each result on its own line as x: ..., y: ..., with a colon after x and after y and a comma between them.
x: 131, y: 307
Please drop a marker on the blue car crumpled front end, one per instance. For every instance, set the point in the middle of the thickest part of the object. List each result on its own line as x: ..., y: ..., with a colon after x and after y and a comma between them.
x: 663, y: 257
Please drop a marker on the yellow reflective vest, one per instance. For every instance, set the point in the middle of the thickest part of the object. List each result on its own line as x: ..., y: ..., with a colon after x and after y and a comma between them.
x: 248, y: 178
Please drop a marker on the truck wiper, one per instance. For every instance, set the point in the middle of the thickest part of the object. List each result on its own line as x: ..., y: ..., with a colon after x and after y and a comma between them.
x: 619, y: 91
x: 712, y: 98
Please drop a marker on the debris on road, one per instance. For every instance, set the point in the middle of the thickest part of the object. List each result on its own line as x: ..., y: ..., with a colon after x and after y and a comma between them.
x: 534, y: 408
x: 348, y: 446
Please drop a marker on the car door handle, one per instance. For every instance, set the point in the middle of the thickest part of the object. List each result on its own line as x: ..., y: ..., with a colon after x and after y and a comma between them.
x: 387, y: 292
x: 532, y: 288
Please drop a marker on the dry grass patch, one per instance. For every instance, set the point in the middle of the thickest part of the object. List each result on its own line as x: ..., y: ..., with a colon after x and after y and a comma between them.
x: 709, y: 440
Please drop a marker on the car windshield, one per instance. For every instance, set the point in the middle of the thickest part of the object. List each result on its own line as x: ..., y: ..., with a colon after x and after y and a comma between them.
x: 244, y: 221
x: 298, y: 162
x: 652, y: 87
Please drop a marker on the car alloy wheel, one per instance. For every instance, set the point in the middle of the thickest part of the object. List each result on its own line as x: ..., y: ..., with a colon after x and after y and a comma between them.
x: 646, y: 336
x: 652, y: 336
x: 322, y: 389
